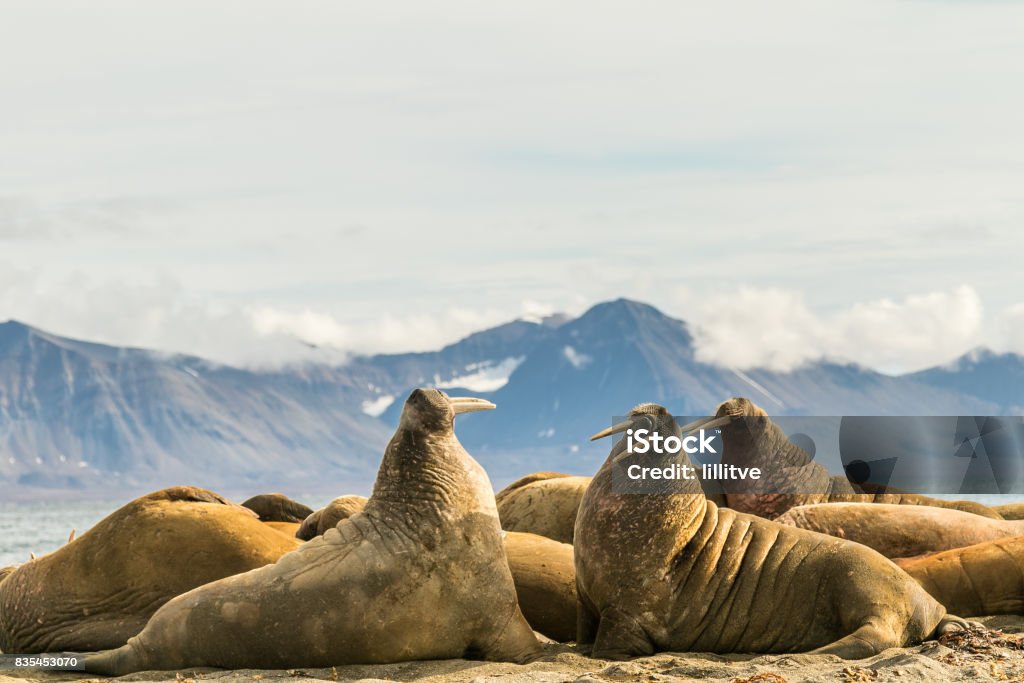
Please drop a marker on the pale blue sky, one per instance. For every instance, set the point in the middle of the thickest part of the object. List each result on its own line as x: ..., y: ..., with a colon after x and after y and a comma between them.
x: 835, y: 178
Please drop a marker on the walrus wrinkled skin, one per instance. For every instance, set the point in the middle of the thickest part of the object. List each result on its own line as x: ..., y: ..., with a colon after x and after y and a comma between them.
x: 1010, y: 511
x: 901, y: 530
x: 542, y: 571
x: 99, y: 590
x: 987, y: 578
x: 673, y: 572
x: 277, y: 507
x: 543, y: 503
x: 328, y: 516
x: 545, y: 580
x: 420, y: 573
x: 790, y: 476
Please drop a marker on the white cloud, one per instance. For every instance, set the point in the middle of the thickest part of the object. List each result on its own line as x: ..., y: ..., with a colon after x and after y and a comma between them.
x: 775, y: 328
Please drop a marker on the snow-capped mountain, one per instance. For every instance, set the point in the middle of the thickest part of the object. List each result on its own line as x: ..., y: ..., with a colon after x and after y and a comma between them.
x: 76, y: 415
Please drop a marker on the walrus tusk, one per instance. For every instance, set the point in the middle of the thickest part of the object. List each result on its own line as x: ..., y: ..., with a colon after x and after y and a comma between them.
x: 72, y: 536
x: 706, y: 423
x: 469, y: 404
x: 614, y: 429
x: 31, y: 556
x: 703, y: 423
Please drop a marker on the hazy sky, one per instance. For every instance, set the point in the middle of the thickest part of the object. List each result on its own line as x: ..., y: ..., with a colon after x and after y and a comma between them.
x: 797, y: 178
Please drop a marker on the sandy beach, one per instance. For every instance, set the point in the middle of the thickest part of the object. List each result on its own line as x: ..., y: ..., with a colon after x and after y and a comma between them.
x: 994, y: 655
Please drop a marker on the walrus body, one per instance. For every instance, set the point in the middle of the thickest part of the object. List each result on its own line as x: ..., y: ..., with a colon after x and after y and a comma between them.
x: 901, y: 530
x: 987, y: 578
x: 672, y: 571
x: 99, y: 590
x: 543, y: 503
x: 790, y: 476
x: 277, y: 507
x: 545, y: 580
x: 290, y: 529
x: 328, y: 517
x: 542, y: 572
x: 1010, y: 511
x: 420, y: 573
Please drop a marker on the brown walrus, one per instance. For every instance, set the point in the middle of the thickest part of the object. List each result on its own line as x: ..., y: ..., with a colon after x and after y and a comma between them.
x: 100, y: 589
x: 669, y: 570
x: 790, y: 476
x: 900, y: 530
x: 328, y: 516
x: 987, y: 578
x: 290, y: 529
x: 542, y: 571
x: 277, y: 507
x: 420, y: 573
x: 1010, y: 511
x: 543, y: 503
x: 545, y: 580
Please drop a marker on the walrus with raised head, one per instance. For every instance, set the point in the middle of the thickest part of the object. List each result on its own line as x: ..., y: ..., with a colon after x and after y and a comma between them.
x: 543, y: 503
x: 790, y: 476
x: 901, y: 530
x: 542, y: 569
x: 277, y: 507
x: 328, y: 516
x: 669, y: 570
x: 101, y: 588
x: 982, y: 579
x: 420, y: 573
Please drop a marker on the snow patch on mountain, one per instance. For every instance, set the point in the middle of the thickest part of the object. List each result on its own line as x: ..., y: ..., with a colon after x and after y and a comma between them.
x: 483, y: 376
x: 578, y: 360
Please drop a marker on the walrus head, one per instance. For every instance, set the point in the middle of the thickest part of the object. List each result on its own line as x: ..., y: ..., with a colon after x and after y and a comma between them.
x: 432, y: 410
x: 656, y: 418
x: 740, y: 407
x: 425, y: 455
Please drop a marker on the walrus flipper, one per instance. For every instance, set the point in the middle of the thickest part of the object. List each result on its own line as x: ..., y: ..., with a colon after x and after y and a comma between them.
x: 619, y: 636
x: 866, y: 641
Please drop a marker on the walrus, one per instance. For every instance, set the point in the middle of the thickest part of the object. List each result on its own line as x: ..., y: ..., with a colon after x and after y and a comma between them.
x: 982, y: 579
x: 542, y: 570
x: 290, y: 529
x: 542, y: 503
x: 790, y: 476
x: 901, y: 530
x: 277, y: 507
x: 669, y: 570
x: 420, y: 573
x: 100, y: 589
x: 545, y: 581
x: 1010, y: 511
x: 328, y: 516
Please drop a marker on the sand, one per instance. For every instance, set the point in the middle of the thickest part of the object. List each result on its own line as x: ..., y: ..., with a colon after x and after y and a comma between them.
x: 994, y: 655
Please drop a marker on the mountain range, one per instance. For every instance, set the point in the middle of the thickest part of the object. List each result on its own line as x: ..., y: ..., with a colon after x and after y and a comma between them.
x: 84, y: 417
